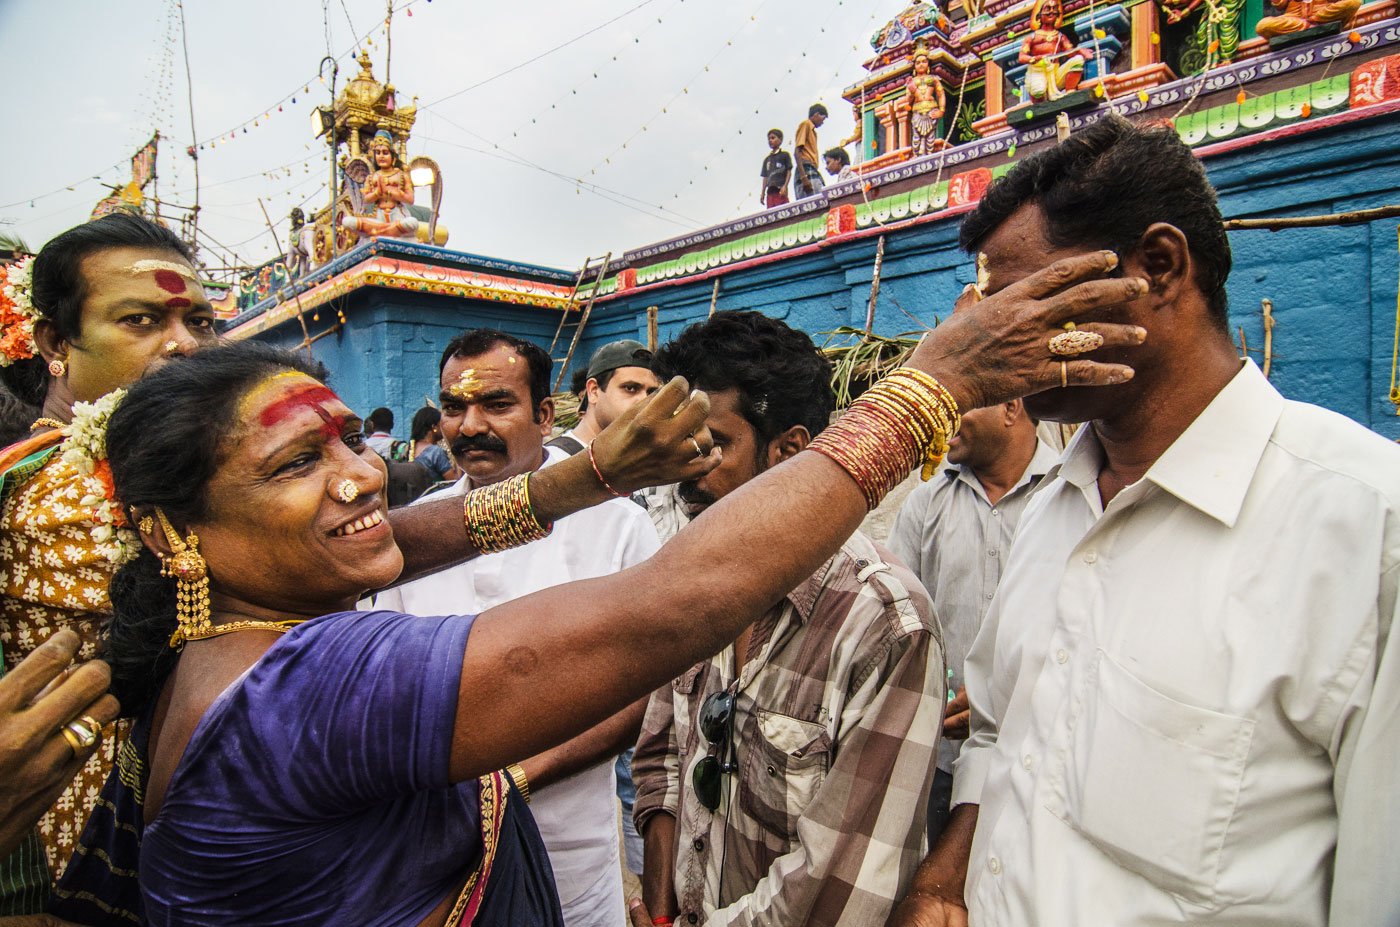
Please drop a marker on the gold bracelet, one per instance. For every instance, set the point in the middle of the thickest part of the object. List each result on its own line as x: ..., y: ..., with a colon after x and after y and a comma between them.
x: 522, y: 784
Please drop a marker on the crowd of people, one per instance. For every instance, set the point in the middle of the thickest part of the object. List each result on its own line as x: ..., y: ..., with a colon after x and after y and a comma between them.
x: 1144, y: 680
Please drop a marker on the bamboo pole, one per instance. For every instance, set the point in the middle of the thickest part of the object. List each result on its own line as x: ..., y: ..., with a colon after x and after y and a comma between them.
x: 587, y: 311
x: 296, y: 294
x: 652, y: 322
x: 1355, y: 217
x: 874, y: 286
x: 573, y: 298
x: 714, y: 296
x: 1267, y: 305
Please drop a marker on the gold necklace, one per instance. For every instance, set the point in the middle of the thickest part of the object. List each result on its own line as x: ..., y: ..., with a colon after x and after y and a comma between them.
x: 281, y: 627
x: 47, y: 423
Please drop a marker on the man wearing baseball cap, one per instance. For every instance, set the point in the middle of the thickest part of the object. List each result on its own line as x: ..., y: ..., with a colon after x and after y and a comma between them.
x: 619, y: 377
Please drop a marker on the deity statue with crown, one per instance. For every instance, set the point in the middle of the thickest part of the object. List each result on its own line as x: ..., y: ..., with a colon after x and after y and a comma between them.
x: 927, y: 103
x: 1054, y: 65
x: 388, y: 190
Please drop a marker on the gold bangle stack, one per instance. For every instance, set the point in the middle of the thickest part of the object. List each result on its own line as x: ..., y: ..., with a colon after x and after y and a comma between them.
x: 903, y: 420
x: 522, y: 784
x: 501, y: 516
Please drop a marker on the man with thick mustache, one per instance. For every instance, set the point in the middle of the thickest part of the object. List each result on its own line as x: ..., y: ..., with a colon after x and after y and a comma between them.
x: 496, y: 415
x: 784, y: 780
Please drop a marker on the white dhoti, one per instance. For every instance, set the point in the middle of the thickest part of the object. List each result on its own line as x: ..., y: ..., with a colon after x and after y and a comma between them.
x: 1045, y: 79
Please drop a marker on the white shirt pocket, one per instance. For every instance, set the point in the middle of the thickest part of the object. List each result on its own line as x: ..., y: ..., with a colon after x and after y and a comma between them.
x: 1150, y: 781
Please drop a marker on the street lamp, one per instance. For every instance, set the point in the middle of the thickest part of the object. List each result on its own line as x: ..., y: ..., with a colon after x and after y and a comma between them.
x: 322, y: 121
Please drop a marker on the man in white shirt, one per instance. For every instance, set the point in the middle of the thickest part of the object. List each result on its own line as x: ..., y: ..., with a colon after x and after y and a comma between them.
x: 954, y: 531
x: 496, y: 413
x: 1184, y: 708
x: 619, y: 377
x: 379, y: 426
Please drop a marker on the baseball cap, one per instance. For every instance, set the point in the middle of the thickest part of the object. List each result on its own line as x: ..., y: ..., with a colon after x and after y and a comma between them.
x: 617, y: 354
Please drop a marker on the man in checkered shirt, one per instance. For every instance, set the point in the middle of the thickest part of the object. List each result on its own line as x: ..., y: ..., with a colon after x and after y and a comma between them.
x: 785, y: 780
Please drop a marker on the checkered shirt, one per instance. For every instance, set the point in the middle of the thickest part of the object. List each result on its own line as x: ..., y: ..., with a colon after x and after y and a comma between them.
x: 837, y: 720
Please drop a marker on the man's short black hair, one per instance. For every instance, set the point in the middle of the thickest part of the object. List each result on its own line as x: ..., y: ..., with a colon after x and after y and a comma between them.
x: 840, y: 154
x: 816, y: 108
x: 1103, y: 186
x: 477, y: 341
x: 381, y: 419
x: 777, y: 132
x: 782, y: 379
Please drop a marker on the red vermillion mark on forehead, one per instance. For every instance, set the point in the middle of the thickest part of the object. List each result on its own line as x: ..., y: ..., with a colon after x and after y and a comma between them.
x: 169, y: 281
x: 313, y: 397
x: 178, y: 302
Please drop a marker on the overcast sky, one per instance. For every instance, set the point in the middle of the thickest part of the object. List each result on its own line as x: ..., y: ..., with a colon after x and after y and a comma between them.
x: 91, y: 80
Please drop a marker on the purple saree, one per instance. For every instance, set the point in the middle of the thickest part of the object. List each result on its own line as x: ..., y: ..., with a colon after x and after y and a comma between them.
x: 315, y: 791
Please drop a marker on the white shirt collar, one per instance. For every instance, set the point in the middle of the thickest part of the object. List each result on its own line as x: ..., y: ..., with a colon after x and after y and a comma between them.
x: 1211, y: 465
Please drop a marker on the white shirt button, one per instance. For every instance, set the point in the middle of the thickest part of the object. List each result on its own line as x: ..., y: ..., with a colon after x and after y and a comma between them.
x: 1062, y: 655
x: 994, y: 865
x: 989, y: 597
x: 996, y: 513
x: 991, y: 552
x: 1090, y: 556
x: 1027, y: 762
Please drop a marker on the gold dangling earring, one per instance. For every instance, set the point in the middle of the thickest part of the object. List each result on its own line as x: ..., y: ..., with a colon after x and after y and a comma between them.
x: 191, y: 575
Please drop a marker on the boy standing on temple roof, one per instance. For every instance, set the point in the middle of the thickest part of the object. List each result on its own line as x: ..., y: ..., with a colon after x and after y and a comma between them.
x: 807, y: 181
x: 777, y: 167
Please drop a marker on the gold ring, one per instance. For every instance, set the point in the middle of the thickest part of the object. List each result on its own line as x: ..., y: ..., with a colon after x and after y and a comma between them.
x: 79, y: 735
x: 1072, y: 342
x: 696, y: 444
x: 347, y: 491
x: 1064, y: 374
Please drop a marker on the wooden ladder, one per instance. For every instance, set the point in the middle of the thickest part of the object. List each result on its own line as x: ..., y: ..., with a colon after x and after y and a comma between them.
x: 583, y: 318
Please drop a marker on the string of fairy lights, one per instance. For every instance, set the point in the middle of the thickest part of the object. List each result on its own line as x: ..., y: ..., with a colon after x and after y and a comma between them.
x: 300, y: 181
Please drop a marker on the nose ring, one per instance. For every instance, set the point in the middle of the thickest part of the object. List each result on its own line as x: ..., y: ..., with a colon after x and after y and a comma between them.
x: 347, y: 491
x: 171, y: 347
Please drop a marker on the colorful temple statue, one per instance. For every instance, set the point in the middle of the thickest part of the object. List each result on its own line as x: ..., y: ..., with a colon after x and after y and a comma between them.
x: 1299, y: 15
x: 927, y: 103
x: 388, y: 191
x: 1053, y: 64
x: 1217, y: 27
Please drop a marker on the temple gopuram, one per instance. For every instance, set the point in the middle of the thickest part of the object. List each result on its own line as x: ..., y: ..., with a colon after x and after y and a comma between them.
x: 1294, y: 108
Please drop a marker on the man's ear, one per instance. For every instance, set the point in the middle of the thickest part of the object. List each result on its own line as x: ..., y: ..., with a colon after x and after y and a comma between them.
x: 46, y: 339
x: 544, y: 414
x: 1165, y: 260
x: 788, y: 444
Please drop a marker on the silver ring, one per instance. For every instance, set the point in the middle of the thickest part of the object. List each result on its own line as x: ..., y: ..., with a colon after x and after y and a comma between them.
x: 698, y: 452
x: 78, y: 734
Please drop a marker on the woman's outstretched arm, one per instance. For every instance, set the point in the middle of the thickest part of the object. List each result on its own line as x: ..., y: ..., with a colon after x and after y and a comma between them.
x: 544, y: 667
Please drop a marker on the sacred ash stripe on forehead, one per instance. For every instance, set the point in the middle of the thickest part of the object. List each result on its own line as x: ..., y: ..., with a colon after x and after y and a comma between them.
x: 175, y: 267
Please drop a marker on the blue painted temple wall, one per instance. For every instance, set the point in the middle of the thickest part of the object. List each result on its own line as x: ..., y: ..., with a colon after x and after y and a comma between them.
x: 1333, y: 288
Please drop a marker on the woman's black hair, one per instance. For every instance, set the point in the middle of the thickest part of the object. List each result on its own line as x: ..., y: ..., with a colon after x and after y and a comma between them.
x: 423, y: 421
x: 164, y: 445
x: 58, y: 287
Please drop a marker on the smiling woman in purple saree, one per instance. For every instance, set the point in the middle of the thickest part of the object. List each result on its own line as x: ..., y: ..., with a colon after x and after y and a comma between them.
x: 301, y: 763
